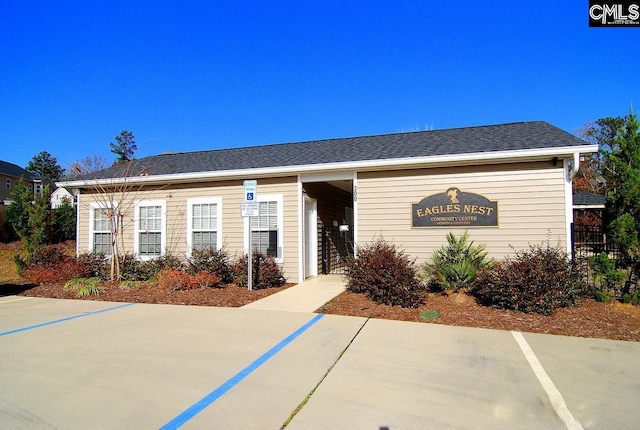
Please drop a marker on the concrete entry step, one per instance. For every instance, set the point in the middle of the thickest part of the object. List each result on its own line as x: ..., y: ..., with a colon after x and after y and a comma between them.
x: 307, y: 296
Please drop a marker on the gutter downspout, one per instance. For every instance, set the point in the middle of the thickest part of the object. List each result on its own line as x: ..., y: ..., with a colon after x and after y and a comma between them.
x: 575, y: 166
x: 571, y: 173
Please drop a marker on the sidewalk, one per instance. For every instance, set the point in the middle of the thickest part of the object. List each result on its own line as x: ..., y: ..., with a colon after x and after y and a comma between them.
x: 307, y: 296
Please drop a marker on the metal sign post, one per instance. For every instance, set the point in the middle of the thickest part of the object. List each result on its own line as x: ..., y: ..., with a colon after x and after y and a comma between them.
x: 250, y: 208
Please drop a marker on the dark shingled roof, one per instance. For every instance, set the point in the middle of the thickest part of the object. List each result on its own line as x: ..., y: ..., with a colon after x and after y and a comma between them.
x: 468, y: 140
x: 589, y: 199
x: 14, y: 170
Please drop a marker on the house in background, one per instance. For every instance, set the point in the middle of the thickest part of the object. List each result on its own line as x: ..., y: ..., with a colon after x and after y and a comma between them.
x: 59, y: 196
x: 588, y: 208
x: 11, y: 174
x: 508, y: 184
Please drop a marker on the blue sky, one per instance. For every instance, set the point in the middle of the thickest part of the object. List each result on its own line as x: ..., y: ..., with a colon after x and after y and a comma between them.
x: 185, y: 76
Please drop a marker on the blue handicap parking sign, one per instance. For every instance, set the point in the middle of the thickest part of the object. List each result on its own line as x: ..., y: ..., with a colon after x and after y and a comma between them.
x: 249, y: 196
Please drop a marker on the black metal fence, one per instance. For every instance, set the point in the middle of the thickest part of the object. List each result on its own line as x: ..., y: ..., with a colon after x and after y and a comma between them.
x: 591, y: 240
x: 336, y: 246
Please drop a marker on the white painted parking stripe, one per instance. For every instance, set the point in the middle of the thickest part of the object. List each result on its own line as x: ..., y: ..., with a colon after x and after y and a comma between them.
x: 14, y: 300
x: 557, y: 401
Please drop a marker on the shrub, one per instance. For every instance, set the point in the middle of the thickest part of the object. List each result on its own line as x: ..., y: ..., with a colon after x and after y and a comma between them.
x: 206, y: 280
x: 131, y: 269
x: 455, y: 265
x: 633, y: 298
x: 175, y: 279
x: 265, y: 272
x: 51, y: 264
x: 539, y: 279
x: 51, y: 255
x: 151, y: 268
x: 608, y: 279
x: 210, y: 260
x: 84, y: 286
x: 385, y: 275
x: 97, y: 264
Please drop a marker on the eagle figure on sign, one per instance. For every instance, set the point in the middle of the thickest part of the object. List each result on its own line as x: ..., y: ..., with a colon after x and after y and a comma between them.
x: 453, y: 195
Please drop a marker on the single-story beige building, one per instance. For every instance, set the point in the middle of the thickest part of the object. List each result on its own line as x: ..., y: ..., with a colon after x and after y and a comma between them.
x: 508, y: 184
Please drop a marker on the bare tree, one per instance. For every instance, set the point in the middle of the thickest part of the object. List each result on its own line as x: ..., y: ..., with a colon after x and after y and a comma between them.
x: 115, y: 192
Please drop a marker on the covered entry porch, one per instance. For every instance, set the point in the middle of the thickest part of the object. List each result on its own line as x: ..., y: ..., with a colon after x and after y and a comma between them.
x: 328, y: 223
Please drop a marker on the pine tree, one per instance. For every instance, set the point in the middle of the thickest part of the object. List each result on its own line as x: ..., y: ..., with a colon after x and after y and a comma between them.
x: 623, y: 201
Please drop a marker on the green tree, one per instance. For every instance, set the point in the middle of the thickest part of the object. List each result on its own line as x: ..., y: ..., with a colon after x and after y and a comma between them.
x: 29, y: 217
x: 63, y: 226
x: 44, y: 164
x: 595, y: 175
x: 124, y: 147
x: 623, y: 199
x: 17, y: 214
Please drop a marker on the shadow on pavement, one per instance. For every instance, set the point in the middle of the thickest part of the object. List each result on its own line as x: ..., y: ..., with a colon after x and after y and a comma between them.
x: 14, y: 289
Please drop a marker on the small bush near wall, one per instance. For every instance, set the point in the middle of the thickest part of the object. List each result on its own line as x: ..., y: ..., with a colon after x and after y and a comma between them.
x: 97, y: 264
x: 539, y: 279
x: 454, y: 266
x: 132, y: 269
x: 174, y: 279
x: 385, y: 275
x: 167, y: 261
x: 213, y: 261
x: 265, y: 272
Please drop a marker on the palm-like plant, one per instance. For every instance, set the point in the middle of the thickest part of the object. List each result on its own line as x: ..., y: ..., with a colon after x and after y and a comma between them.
x: 456, y: 264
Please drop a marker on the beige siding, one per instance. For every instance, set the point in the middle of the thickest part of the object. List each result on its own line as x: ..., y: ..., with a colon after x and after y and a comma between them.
x: 531, y: 206
x: 231, y: 193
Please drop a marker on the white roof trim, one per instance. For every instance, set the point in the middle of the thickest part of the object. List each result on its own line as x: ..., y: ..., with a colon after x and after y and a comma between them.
x: 429, y: 161
x: 588, y: 206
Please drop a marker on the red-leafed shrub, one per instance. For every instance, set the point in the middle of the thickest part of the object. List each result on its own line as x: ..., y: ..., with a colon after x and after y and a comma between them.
x: 179, y: 279
x: 51, y: 264
x: 385, y: 275
x: 206, y: 280
x: 175, y: 279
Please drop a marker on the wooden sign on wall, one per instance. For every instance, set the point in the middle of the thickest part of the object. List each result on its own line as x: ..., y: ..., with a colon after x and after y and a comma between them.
x: 454, y: 208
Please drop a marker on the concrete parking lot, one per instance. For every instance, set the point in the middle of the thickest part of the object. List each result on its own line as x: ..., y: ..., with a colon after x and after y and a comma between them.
x: 67, y: 364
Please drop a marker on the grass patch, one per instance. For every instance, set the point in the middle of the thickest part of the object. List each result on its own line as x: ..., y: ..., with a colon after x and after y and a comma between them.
x: 430, y: 315
x: 84, y: 287
x: 129, y: 285
x: 8, y: 273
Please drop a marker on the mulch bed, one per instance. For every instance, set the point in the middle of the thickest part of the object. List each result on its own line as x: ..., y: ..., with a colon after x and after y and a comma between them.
x: 590, y: 319
x: 229, y: 296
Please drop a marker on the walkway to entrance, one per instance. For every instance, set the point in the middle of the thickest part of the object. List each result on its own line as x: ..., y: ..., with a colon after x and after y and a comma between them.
x: 304, y: 297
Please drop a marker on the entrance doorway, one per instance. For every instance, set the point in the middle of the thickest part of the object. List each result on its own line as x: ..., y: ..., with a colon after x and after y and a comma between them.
x: 310, y: 226
x: 328, y: 224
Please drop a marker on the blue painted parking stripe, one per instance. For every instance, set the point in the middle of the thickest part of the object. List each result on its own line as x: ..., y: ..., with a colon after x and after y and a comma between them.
x: 5, y: 333
x: 185, y: 416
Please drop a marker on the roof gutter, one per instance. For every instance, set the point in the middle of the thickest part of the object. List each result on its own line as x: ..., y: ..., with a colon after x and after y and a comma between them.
x: 364, y: 165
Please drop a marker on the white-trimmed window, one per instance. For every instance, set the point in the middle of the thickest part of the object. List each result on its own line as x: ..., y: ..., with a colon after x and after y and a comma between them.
x: 266, y: 229
x: 204, y: 223
x: 8, y: 183
x: 99, y: 229
x: 151, y: 228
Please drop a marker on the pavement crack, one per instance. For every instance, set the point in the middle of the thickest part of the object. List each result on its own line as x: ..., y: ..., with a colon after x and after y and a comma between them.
x: 306, y: 399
